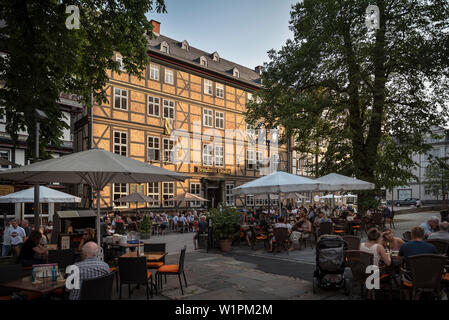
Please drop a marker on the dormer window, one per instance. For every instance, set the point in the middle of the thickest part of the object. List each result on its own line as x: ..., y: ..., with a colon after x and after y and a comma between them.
x: 119, y: 59
x: 235, y: 72
x: 216, y: 57
x: 185, y: 45
x: 165, y: 47
x: 203, y: 61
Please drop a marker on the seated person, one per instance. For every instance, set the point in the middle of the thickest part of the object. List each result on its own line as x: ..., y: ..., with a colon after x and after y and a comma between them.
x: 202, y: 229
x: 302, y: 230
x: 443, y: 234
x: 416, y: 246
x: 280, y: 224
x: 320, y: 219
x: 32, y: 251
x: 374, y: 246
x: 91, y: 267
x: 390, y: 241
x: 88, y: 235
x: 431, y: 225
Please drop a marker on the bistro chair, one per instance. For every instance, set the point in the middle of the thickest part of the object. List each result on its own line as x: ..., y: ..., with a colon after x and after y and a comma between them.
x: 358, y: 261
x: 407, y: 236
x: 377, y: 221
x: 306, y: 236
x: 325, y: 228
x: 119, y: 228
x: 63, y: 258
x: 425, y: 275
x: 173, y: 269
x: 97, y: 288
x: 257, y: 236
x: 154, y: 247
x: 440, y: 245
x: 280, y: 239
x: 133, y: 270
x: 352, y: 241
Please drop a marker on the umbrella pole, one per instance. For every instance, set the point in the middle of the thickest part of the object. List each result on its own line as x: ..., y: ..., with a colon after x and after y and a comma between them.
x: 98, y: 219
x: 269, y: 205
x: 280, y: 205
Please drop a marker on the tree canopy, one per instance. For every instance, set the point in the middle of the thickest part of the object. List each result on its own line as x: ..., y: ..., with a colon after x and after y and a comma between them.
x: 45, y: 58
x: 369, y: 96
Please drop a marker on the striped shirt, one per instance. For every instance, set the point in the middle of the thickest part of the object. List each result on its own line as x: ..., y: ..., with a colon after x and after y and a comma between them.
x: 89, y: 268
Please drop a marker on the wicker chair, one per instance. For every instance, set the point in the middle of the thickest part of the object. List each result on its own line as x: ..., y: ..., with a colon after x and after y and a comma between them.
x: 426, y: 272
x: 440, y: 245
x: 325, y: 228
x: 358, y: 261
x: 352, y: 241
x: 280, y: 239
x: 257, y: 236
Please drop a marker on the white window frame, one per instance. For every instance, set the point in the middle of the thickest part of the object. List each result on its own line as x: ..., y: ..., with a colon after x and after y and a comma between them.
x: 236, y: 73
x: 168, y: 195
x: 119, y: 195
x: 219, y: 155
x: 169, y: 76
x: 203, y: 61
x: 249, y: 201
x: 169, y: 153
x: 219, y: 120
x: 259, y: 160
x: 208, y: 154
x: 154, y: 72
x: 155, y: 105
x: 154, y: 143
x: 219, y: 90
x: 118, y: 93
x: 208, y: 117
x: 165, y: 48
x: 195, y: 188
x: 120, y: 144
x: 153, y: 191
x: 250, y: 161
x: 169, y: 109
x: 208, y: 87
x: 230, y: 199
x: 119, y: 59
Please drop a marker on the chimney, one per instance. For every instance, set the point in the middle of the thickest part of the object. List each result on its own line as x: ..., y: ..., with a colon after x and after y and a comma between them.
x: 156, y: 27
x: 258, y: 69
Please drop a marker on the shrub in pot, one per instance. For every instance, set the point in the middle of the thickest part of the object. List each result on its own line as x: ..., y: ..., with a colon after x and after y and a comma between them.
x: 146, y: 227
x: 225, y: 226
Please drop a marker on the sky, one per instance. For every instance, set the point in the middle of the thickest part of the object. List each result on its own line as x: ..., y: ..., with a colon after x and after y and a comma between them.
x: 241, y: 31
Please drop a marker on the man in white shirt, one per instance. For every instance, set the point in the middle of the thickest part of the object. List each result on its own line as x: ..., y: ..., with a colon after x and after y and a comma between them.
x: 18, y: 236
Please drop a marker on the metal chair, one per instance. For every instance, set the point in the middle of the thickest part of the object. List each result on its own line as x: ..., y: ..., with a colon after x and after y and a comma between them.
x: 97, y: 288
x: 440, y: 245
x: 155, y: 247
x: 280, y: 239
x: 325, y: 228
x: 173, y: 269
x: 257, y: 236
x: 426, y: 272
x: 352, y: 241
x: 133, y: 270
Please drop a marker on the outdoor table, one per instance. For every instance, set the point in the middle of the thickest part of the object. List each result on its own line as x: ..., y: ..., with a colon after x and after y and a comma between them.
x: 151, y: 256
x: 349, y: 225
x: 43, y: 286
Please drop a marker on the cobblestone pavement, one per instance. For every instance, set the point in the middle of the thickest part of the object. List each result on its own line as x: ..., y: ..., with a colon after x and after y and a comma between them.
x: 247, y: 274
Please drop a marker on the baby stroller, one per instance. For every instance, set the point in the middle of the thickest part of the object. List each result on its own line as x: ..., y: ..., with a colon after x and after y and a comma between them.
x: 330, y: 263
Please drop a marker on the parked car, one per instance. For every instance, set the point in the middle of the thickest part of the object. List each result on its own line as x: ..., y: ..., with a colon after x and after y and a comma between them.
x: 409, y: 202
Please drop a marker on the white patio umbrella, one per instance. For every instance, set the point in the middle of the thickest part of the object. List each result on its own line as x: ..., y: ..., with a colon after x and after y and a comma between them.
x: 338, y: 182
x: 95, y: 167
x: 350, y: 196
x: 46, y: 195
x: 328, y: 196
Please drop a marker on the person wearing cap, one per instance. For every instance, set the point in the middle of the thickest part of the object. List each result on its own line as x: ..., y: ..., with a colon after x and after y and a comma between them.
x: 431, y: 225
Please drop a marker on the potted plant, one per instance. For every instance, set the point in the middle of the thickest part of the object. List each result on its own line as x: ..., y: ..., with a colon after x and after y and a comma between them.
x: 225, y: 225
x: 146, y: 227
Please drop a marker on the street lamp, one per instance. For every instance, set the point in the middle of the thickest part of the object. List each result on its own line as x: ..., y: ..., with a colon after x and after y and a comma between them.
x: 40, y: 115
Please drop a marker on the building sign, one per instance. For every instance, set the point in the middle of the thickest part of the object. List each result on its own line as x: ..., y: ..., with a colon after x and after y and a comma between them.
x: 212, y: 170
x: 5, y: 189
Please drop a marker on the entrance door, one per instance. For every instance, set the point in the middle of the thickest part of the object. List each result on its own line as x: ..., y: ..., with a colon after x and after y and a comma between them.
x: 214, y: 196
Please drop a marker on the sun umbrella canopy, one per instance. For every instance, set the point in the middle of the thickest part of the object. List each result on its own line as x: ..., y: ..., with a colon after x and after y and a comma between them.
x: 350, y: 196
x: 95, y: 167
x: 340, y: 182
x: 46, y: 195
x: 279, y: 181
x: 135, y: 197
x: 293, y: 195
x: 328, y: 196
x: 186, y: 197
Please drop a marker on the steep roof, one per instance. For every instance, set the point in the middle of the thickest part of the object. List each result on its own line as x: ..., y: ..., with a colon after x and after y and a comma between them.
x: 192, y: 55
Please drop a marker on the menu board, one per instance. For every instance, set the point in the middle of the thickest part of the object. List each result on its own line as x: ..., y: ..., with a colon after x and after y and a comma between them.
x: 65, y: 242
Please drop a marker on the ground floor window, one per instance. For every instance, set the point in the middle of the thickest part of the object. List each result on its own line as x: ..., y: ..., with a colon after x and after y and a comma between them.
x: 119, y: 190
x: 168, y: 191
x: 250, y: 201
x: 195, y: 188
x: 153, y: 192
x: 230, y: 201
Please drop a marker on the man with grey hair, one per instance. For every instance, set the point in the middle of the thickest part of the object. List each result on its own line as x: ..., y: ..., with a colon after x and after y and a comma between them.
x: 431, y: 225
x: 91, y: 267
x: 443, y: 234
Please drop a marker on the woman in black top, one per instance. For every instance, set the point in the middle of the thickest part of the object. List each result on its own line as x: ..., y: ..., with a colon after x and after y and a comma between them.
x: 30, y: 248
